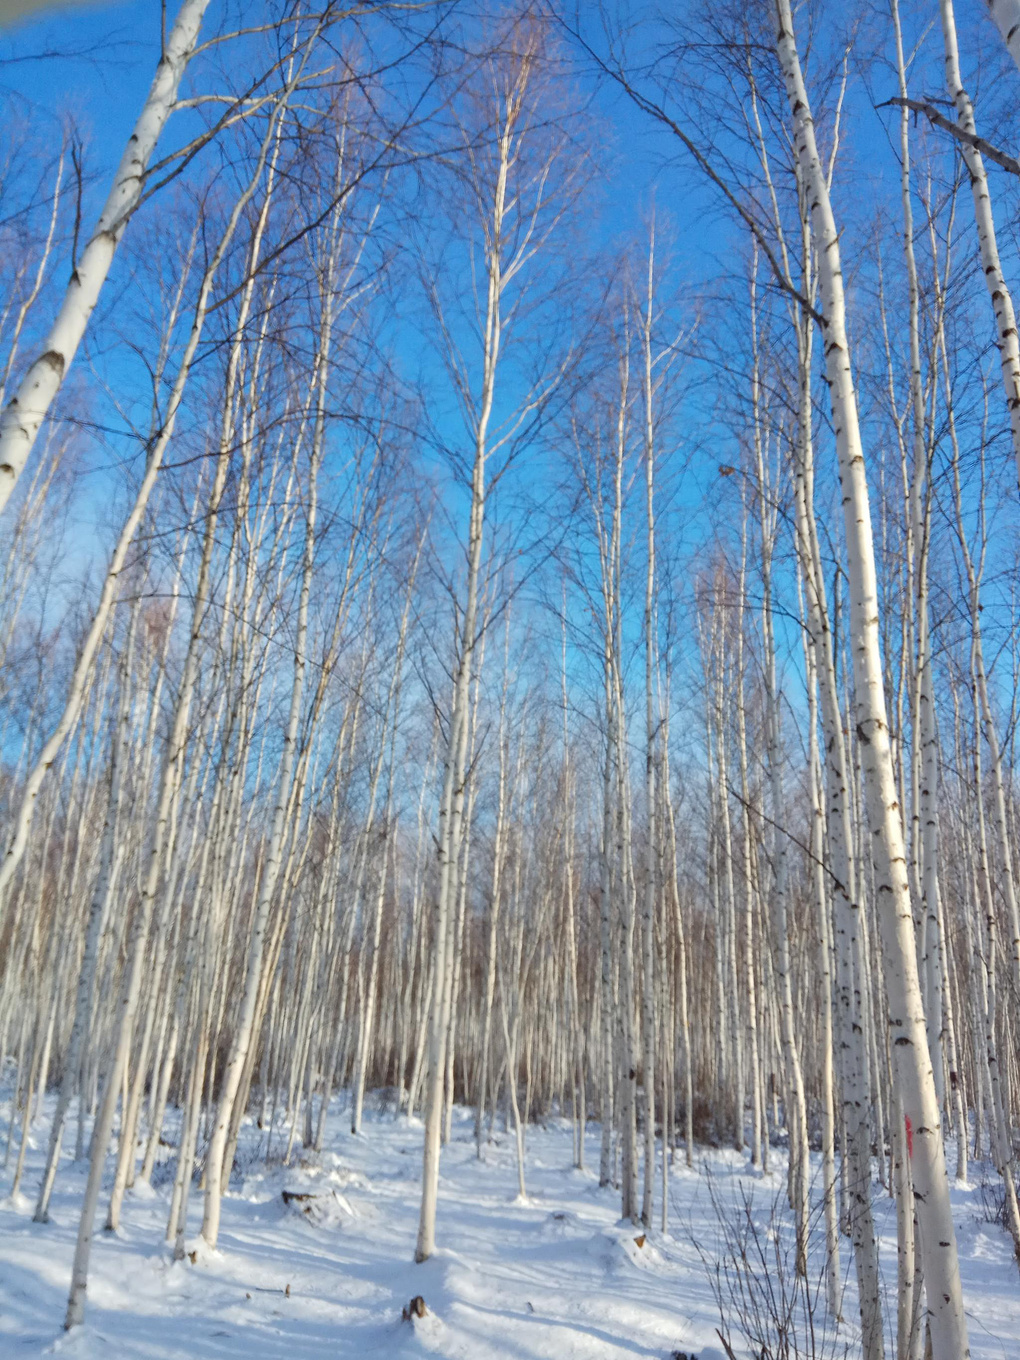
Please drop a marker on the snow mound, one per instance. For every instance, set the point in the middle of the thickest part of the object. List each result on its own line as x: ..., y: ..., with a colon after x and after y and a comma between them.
x: 323, y: 1209
x: 564, y: 1223
x: 639, y: 1249
x: 315, y: 1167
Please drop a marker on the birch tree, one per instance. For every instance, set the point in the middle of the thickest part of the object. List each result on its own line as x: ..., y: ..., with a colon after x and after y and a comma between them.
x: 913, y: 1061
x: 30, y: 404
x: 514, y: 210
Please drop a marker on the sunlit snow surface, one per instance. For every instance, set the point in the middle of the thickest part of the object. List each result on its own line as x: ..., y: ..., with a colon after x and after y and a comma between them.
x: 554, y: 1277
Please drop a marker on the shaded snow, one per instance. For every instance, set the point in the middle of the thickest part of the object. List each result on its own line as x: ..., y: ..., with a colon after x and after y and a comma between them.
x: 554, y: 1277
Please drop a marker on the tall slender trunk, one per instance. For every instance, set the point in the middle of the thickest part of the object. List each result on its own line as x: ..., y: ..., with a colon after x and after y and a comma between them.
x: 906, y: 1014
x: 110, y: 860
x: 495, y: 888
x: 648, y: 988
x: 140, y: 929
x: 795, y: 1098
x: 451, y: 806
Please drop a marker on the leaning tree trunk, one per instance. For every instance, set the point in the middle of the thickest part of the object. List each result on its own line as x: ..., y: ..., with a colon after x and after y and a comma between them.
x: 991, y: 266
x: 853, y: 1059
x: 28, y: 408
x: 914, y: 1074
x: 215, y: 1170
x: 133, y: 979
x: 1006, y: 14
x: 110, y: 860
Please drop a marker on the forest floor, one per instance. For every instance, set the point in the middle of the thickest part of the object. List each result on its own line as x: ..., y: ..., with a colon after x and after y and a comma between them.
x: 552, y: 1276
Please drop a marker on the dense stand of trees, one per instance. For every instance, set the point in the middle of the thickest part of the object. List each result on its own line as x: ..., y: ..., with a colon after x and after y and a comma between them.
x: 463, y: 639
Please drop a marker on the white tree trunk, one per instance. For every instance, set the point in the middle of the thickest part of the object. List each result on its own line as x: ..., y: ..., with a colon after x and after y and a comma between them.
x: 1006, y: 14
x: 451, y: 808
x: 28, y: 408
x: 648, y: 988
x: 906, y: 1014
x: 132, y: 982
x: 991, y: 265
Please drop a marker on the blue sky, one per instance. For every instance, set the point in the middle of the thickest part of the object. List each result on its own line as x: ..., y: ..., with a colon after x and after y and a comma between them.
x: 97, y: 61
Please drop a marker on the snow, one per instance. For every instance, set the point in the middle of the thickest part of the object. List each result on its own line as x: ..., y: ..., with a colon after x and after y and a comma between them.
x: 328, y: 1273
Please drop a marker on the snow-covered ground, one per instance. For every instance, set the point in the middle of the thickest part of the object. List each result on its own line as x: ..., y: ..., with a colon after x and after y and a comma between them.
x: 552, y: 1277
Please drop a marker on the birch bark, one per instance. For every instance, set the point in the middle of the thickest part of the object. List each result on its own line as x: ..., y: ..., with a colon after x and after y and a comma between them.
x: 991, y: 265
x: 27, y: 409
x: 906, y: 1014
x: 132, y: 982
x: 648, y: 989
x: 1006, y: 15
x: 451, y: 808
